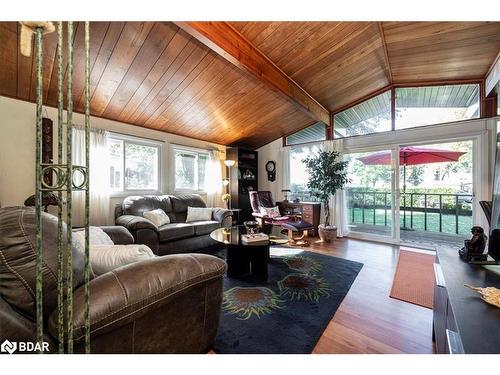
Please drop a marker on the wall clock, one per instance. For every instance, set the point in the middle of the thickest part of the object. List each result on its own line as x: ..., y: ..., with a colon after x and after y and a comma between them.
x: 271, y: 170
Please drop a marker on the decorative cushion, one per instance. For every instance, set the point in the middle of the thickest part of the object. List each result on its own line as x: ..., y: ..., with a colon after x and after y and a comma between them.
x: 158, y: 217
x: 272, y: 212
x: 181, y: 203
x: 205, y: 227
x: 96, y: 237
x: 198, y: 214
x: 105, y: 258
x: 175, y: 231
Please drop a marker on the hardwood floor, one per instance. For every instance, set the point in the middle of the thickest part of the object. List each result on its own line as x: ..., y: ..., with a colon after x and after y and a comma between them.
x: 368, y: 320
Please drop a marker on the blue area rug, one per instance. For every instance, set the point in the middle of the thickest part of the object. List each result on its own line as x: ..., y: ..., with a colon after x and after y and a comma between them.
x: 289, y: 312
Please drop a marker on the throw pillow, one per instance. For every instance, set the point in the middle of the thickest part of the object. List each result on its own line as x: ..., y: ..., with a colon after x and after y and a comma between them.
x: 272, y: 212
x: 198, y: 214
x: 105, y: 258
x: 96, y: 237
x: 158, y: 217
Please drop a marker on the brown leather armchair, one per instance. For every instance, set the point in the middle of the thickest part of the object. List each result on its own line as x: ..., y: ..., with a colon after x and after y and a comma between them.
x: 260, y: 199
x: 168, y: 304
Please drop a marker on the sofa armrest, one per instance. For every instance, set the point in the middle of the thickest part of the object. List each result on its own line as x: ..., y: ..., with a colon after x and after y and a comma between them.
x: 118, y: 234
x: 134, y: 291
x: 222, y: 215
x: 133, y: 223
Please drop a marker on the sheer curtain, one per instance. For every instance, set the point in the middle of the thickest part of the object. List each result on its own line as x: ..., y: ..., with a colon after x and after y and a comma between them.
x: 283, y: 173
x: 99, y: 176
x: 338, y: 202
x: 214, y: 180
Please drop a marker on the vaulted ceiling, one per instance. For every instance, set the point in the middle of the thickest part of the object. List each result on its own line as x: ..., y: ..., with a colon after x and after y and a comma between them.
x: 340, y: 62
x: 156, y: 75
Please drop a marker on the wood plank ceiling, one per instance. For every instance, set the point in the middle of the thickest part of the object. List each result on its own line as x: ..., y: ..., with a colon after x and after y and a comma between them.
x: 155, y: 75
x: 340, y: 62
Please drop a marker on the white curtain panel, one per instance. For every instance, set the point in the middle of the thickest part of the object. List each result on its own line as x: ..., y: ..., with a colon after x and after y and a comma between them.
x: 99, y: 177
x: 338, y: 202
x: 214, y: 180
x: 284, y: 170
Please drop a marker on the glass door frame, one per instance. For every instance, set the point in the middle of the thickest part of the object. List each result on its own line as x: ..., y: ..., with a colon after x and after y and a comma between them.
x: 394, y: 236
x: 478, y: 154
x: 481, y: 131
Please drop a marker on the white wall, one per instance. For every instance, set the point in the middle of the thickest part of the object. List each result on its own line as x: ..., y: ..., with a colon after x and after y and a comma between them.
x: 17, y: 148
x: 271, y: 151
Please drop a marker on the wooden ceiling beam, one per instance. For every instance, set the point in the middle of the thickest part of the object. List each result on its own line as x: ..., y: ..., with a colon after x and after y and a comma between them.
x: 228, y: 42
x: 492, y: 78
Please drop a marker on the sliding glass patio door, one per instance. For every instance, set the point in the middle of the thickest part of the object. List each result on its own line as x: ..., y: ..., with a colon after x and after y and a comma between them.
x: 421, y: 195
x: 437, y: 192
x: 371, y: 194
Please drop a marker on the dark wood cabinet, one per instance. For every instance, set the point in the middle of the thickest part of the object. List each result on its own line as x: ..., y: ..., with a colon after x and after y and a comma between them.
x: 440, y: 310
x: 463, y: 323
x: 244, y: 178
x: 305, y: 211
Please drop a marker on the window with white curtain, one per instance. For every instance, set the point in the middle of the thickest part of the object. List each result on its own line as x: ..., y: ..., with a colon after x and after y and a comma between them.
x: 190, y: 166
x: 298, y: 172
x: 134, y: 164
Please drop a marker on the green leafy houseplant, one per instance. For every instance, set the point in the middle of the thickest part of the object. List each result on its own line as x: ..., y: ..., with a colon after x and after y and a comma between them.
x: 328, y: 173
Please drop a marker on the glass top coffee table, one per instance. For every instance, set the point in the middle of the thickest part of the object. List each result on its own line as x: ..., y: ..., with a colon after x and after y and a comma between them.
x: 248, y: 258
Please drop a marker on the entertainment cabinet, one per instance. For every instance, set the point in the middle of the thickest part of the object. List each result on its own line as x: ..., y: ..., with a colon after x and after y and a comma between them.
x: 463, y: 323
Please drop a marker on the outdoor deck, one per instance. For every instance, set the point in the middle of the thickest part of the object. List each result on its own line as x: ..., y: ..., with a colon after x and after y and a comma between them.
x: 417, y: 238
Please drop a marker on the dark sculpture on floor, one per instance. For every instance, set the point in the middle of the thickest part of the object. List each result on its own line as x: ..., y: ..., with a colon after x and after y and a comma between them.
x: 474, y: 248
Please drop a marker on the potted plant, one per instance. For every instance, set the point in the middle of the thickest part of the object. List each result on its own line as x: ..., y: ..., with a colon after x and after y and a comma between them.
x: 328, y: 173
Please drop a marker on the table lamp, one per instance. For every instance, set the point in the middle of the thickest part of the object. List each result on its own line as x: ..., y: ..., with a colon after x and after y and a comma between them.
x: 285, y: 193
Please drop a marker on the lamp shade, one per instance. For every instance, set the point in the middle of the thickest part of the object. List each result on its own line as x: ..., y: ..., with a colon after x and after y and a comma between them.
x: 229, y: 163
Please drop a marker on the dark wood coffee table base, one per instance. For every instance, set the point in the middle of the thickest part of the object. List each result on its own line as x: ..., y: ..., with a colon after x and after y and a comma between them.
x: 243, y: 260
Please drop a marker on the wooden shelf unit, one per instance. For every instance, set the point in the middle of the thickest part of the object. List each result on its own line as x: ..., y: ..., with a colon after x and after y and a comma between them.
x: 244, y: 178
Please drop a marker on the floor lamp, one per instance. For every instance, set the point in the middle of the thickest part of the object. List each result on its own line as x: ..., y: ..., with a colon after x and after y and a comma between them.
x: 229, y: 164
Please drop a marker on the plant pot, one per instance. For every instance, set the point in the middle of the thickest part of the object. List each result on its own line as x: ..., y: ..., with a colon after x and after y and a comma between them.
x: 327, y: 233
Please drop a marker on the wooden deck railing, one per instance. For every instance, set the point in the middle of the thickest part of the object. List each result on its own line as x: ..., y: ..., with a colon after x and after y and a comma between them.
x: 444, y: 204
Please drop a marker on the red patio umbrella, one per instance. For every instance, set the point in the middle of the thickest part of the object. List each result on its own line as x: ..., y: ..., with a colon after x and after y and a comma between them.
x: 410, y: 155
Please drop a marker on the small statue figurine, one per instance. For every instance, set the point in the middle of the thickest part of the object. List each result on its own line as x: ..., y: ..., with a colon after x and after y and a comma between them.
x: 474, y: 247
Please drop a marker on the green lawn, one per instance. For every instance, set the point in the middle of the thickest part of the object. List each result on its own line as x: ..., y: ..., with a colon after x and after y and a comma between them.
x: 448, y: 221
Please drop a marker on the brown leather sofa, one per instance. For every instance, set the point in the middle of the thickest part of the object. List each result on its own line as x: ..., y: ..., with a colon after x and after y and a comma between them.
x: 163, y: 305
x: 177, y: 236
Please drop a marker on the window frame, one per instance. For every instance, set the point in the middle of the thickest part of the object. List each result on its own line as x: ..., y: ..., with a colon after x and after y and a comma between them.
x: 392, y: 88
x: 395, y: 104
x: 309, y: 145
x: 142, y: 142
x: 392, y: 93
x: 285, y: 138
x: 192, y: 150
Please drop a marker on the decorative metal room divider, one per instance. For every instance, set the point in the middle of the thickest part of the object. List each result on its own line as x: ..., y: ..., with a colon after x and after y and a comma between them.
x: 63, y: 181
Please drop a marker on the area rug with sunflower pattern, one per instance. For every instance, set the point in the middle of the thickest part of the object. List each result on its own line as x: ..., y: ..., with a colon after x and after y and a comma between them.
x: 289, y: 312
